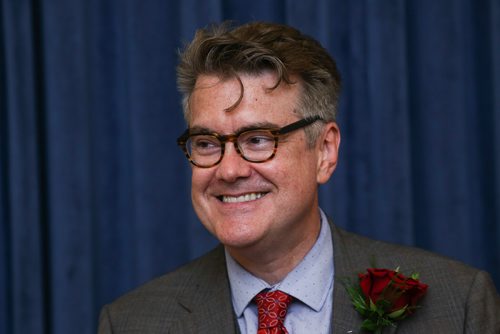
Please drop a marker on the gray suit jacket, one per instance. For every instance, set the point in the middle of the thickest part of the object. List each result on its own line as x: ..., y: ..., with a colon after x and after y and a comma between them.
x: 196, y: 298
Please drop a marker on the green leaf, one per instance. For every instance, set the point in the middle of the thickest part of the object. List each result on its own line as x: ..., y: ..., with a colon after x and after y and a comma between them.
x: 373, y: 307
x: 369, y: 325
x: 398, y: 313
x: 357, y: 297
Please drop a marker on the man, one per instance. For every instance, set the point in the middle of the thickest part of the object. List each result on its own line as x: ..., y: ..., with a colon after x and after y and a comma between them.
x: 260, y: 101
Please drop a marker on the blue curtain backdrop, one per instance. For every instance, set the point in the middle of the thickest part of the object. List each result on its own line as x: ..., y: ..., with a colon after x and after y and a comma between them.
x: 94, y: 193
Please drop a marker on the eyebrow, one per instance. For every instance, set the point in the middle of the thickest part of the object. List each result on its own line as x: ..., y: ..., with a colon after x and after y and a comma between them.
x: 254, y: 126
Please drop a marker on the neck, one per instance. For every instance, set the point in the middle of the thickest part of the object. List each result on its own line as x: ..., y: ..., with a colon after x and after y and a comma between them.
x: 274, y: 266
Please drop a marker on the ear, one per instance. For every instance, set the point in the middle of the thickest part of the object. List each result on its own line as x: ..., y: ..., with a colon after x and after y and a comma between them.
x: 328, y: 152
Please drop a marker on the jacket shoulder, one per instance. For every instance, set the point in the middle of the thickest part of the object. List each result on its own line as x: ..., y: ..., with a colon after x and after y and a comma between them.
x: 460, y: 298
x: 375, y: 253
x: 174, y: 283
x: 160, y: 304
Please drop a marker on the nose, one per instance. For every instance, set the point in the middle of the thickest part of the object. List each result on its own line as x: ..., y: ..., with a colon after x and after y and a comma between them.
x: 232, y: 166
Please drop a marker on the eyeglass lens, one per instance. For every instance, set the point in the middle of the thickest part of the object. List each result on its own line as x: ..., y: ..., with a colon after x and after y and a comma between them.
x: 254, y: 145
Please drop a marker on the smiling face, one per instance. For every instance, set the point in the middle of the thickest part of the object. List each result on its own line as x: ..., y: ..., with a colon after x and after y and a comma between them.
x: 254, y: 205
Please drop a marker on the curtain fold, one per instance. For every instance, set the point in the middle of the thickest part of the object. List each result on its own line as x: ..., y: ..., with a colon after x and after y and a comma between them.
x: 95, y: 194
x: 24, y: 240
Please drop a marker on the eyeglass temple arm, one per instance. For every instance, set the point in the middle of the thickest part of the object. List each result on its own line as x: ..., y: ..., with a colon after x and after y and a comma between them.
x: 299, y: 124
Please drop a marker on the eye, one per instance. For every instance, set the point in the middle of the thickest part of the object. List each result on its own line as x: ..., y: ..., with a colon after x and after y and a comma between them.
x: 203, y: 144
x: 256, y: 140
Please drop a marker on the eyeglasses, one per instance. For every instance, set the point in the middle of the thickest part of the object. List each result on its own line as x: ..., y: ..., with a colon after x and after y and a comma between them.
x: 254, y: 145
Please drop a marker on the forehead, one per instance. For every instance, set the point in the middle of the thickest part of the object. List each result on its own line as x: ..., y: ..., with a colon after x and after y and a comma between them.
x: 250, y: 97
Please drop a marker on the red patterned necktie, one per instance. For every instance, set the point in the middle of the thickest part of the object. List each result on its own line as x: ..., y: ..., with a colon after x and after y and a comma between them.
x: 272, y: 307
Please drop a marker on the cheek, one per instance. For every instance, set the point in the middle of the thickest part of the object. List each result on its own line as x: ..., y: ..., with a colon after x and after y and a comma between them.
x: 293, y: 174
x: 200, y: 180
x: 302, y: 168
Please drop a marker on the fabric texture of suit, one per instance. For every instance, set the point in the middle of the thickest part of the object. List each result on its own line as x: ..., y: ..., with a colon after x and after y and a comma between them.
x: 196, y: 298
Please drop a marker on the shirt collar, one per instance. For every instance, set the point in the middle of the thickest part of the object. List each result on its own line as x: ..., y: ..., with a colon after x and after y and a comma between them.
x: 317, y: 267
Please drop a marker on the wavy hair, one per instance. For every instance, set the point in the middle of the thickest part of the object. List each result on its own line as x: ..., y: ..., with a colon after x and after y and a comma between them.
x: 252, y: 48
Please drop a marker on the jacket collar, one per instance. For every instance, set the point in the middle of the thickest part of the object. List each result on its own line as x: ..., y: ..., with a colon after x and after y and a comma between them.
x: 207, y: 298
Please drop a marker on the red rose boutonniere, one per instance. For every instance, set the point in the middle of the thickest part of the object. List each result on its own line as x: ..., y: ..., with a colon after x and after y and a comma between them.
x: 385, y: 296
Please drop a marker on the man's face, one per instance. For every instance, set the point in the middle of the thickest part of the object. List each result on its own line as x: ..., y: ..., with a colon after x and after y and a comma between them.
x: 274, y: 201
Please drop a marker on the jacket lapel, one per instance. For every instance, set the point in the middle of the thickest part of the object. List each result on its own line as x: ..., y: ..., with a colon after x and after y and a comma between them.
x: 344, y: 318
x: 207, y: 299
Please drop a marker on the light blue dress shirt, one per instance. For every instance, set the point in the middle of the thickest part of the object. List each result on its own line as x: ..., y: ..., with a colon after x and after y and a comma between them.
x: 310, y: 283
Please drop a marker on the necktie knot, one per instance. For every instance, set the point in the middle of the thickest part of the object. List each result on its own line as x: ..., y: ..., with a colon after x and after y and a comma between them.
x: 272, y: 307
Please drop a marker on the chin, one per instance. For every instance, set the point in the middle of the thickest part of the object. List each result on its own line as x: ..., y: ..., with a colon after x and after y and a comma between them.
x: 237, y: 239
x: 236, y: 231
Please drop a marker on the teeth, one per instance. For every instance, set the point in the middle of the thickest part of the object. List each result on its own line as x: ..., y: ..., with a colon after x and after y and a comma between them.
x: 241, y: 199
